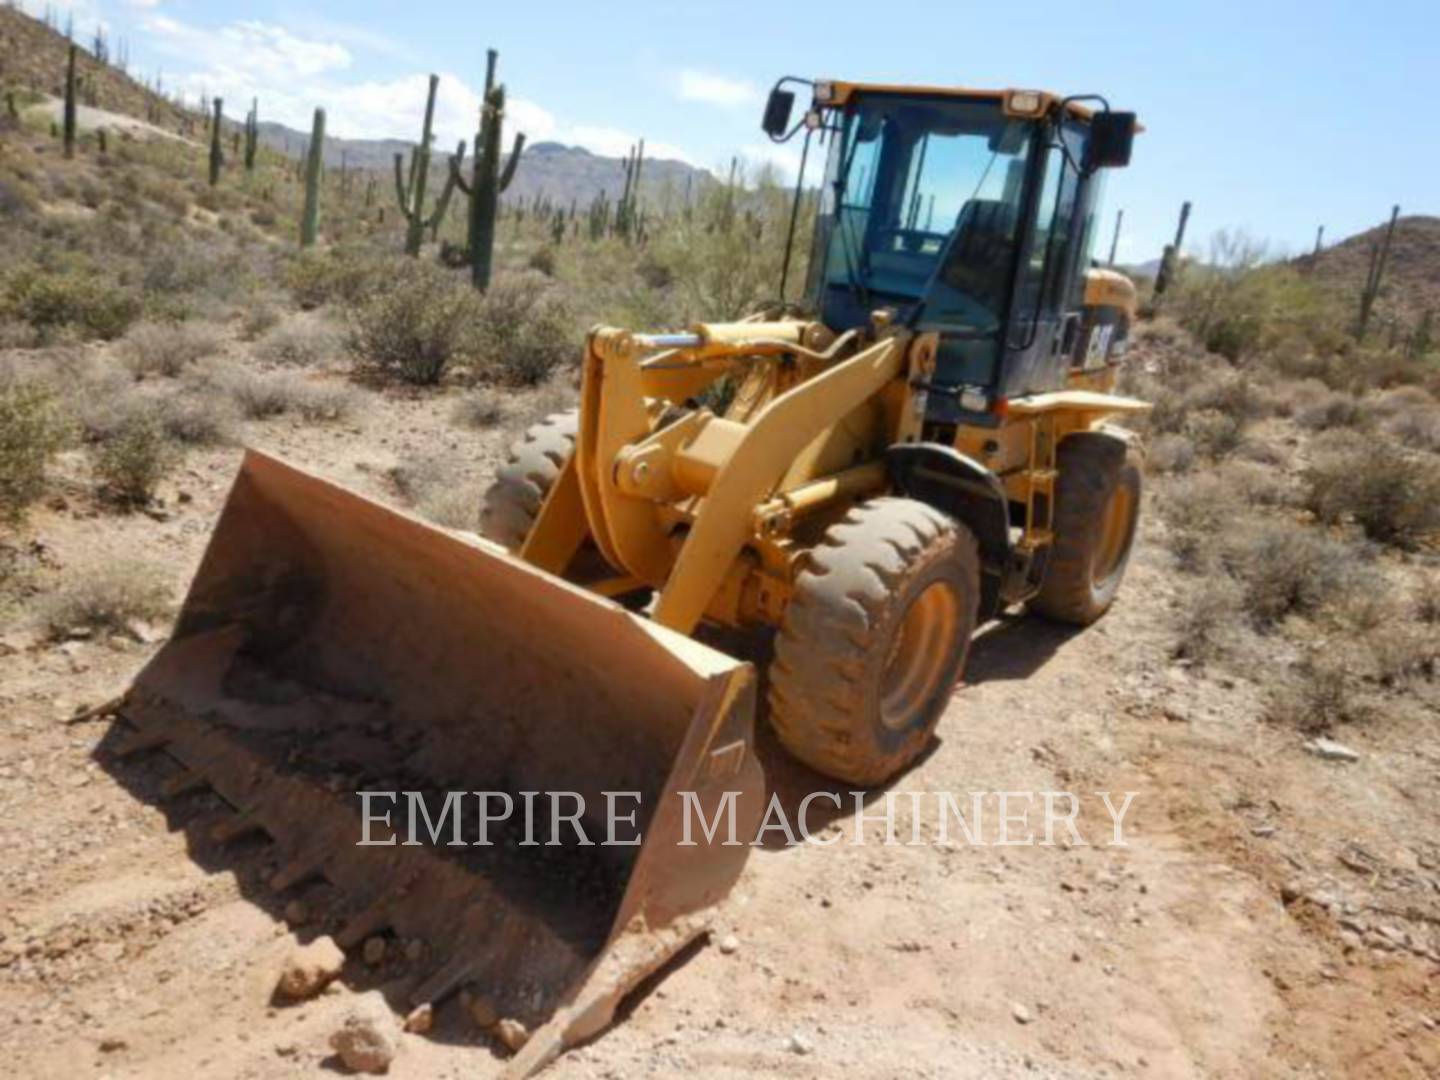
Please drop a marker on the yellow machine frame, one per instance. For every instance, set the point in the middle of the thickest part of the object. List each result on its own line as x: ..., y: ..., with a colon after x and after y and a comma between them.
x: 705, y: 508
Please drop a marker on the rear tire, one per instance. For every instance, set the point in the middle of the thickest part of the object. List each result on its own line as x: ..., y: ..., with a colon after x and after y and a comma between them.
x: 513, y: 501
x: 874, y: 639
x: 1097, y: 509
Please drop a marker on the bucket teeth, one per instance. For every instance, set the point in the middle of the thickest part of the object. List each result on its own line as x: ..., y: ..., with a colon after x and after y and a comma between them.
x: 375, y: 917
x: 293, y: 873
x: 138, y: 742
x: 184, y: 784
x: 233, y: 828
x: 439, y: 983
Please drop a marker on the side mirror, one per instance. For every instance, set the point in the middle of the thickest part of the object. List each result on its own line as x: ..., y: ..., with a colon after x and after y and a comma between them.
x: 777, y: 112
x: 1111, y: 136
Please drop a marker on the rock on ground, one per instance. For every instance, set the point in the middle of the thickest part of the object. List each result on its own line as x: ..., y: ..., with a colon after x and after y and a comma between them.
x: 512, y: 1033
x: 309, y: 969
x: 421, y: 1019
x: 369, y: 1037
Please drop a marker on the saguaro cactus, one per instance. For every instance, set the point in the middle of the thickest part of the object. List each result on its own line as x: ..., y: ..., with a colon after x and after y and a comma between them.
x: 70, y: 103
x: 412, y: 193
x: 442, y: 204
x: 1170, y: 258
x: 252, y: 134
x: 314, y: 160
x: 1379, y: 257
x: 487, y: 179
x: 625, y: 216
x: 217, y: 151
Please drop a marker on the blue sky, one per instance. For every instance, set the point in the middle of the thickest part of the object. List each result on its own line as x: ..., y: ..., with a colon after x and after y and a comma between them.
x: 1273, y: 116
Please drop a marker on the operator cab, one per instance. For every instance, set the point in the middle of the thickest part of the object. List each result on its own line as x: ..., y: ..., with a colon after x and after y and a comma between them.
x: 970, y: 214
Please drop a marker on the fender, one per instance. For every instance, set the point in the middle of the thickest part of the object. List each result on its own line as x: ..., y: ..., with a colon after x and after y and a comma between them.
x: 970, y: 493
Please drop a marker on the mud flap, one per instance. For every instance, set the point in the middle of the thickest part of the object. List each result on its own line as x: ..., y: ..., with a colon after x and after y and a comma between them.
x: 331, y: 645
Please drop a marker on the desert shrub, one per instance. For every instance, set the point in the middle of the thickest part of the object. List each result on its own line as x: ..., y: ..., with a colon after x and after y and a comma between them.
x: 257, y: 319
x: 297, y: 344
x: 526, y: 330
x: 1322, y: 693
x: 1400, y: 399
x: 1287, y: 568
x: 479, y: 409
x: 725, y: 261
x: 32, y: 430
x: 347, y: 277
x: 197, y: 418
x: 260, y: 395
x: 167, y: 193
x: 52, y: 301
x: 1205, y: 624
x: 1260, y: 484
x: 1427, y: 599
x: 1196, y: 510
x: 1417, y: 427
x: 109, y: 598
x: 1402, y: 652
x: 325, y: 402
x: 1262, y: 450
x: 1213, y: 433
x: 416, y: 328
x: 264, y: 395
x: 1238, y: 304
x: 167, y: 348
x: 1365, y: 602
x: 1334, y: 410
x: 1169, y: 408
x: 15, y: 334
x: 542, y: 260
x: 1170, y: 454
x: 17, y: 199
x: 1394, y: 496
x: 182, y: 267
x: 1224, y: 391
x: 653, y: 271
x: 135, y: 457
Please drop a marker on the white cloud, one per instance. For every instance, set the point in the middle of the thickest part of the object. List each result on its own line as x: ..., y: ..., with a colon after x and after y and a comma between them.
x: 248, y: 51
x: 291, y: 74
x: 716, y: 89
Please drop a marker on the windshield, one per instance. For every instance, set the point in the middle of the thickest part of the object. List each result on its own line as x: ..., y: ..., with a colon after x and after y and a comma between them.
x: 917, y: 186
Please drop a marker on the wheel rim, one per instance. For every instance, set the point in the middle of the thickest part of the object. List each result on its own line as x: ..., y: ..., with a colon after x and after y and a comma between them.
x: 919, y: 655
x: 1114, y: 537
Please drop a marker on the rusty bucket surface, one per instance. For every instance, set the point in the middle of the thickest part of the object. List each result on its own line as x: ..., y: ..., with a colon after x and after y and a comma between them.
x: 331, y: 645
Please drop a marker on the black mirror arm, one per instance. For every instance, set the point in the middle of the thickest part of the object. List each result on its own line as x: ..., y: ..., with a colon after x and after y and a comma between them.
x: 1065, y: 103
x: 779, y: 83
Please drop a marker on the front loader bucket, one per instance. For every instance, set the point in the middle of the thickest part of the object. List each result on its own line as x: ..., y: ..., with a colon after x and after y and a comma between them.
x: 330, y: 645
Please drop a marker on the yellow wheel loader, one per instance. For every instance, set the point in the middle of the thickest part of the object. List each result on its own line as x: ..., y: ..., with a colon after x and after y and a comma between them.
x: 926, y: 436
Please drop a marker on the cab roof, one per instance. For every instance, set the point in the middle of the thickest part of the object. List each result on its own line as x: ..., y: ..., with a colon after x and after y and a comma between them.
x: 842, y: 92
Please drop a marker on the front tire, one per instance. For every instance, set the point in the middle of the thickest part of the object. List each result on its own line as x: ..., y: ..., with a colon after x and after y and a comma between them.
x: 513, y: 501
x: 874, y: 639
x: 1097, y: 509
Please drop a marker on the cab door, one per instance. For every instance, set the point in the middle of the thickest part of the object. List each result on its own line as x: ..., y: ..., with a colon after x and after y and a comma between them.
x: 1046, y: 309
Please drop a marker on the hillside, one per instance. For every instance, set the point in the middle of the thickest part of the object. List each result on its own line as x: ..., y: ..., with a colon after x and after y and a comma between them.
x: 33, y: 57
x: 560, y: 173
x: 1412, y: 278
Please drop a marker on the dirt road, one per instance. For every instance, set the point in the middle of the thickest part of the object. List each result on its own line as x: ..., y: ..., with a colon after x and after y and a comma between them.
x: 1228, y: 938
